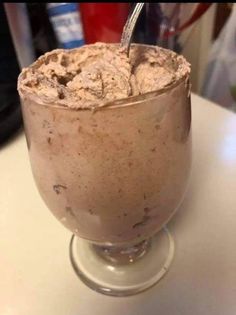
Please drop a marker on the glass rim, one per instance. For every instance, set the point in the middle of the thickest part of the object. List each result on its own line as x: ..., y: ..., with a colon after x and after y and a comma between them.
x: 121, y: 103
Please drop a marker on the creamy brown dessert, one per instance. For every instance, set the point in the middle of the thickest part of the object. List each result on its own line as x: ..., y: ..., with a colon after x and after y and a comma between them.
x: 99, y: 73
x: 116, y: 174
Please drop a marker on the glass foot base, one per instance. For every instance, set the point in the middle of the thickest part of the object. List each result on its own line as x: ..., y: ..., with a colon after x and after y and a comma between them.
x: 111, y: 278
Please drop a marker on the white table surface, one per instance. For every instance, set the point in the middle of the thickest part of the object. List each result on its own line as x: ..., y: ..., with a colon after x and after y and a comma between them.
x: 36, y: 277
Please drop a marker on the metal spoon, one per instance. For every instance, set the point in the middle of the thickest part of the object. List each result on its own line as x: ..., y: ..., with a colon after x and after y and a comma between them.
x: 129, y: 27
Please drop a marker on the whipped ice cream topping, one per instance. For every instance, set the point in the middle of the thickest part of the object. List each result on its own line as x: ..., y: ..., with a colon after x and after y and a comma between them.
x: 95, y: 74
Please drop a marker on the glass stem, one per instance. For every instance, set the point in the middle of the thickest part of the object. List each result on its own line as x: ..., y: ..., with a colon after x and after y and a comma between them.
x: 121, y: 255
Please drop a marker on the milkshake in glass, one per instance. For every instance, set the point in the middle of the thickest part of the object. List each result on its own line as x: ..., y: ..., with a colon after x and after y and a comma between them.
x: 109, y: 142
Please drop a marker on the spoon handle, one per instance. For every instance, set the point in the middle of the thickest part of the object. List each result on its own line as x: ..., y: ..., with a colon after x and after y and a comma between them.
x: 129, y: 27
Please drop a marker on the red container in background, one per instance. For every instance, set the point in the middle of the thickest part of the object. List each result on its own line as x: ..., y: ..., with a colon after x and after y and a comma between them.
x: 103, y: 22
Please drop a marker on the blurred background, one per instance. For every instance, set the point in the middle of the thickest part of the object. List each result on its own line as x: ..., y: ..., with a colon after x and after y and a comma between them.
x: 205, y: 33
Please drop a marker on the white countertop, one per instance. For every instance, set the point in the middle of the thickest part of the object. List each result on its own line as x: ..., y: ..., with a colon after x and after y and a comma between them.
x: 36, y: 277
